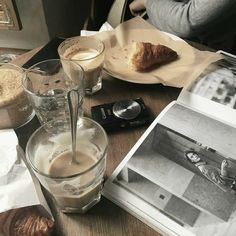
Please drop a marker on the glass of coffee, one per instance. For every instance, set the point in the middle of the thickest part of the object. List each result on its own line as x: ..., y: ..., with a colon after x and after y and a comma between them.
x: 75, y: 186
x: 47, y: 84
x: 89, y: 53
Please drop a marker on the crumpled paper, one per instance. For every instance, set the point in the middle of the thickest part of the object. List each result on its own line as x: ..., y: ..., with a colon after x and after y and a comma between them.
x: 17, y: 188
x: 191, y: 63
x: 105, y: 27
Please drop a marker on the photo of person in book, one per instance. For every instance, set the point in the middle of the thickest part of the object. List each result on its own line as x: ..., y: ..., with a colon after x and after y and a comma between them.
x: 217, y: 176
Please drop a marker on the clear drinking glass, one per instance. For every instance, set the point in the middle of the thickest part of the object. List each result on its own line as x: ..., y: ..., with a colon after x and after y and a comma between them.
x: 76, y: 187
x: 47, y: 84
x: 89, y: 53
x: 15, y: 108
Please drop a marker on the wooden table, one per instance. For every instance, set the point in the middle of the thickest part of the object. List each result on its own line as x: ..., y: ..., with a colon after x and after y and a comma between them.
x: 107, y: 219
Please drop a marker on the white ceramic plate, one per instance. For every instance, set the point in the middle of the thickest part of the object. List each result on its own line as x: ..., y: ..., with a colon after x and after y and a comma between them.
x: 138, y: 77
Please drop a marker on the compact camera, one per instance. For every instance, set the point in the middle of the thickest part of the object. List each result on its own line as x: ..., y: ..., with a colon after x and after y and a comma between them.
x: 121, y: 114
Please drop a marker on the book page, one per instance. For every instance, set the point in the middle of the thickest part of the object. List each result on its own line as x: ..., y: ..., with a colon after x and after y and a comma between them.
x: 214, y: 92
x: 179, y: 178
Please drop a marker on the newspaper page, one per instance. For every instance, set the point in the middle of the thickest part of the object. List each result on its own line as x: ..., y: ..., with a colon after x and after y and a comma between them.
x: 180, y: 177
x: 214, y: 92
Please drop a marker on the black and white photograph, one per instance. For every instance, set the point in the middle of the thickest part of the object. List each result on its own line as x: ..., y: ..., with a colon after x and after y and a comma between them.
x: 217, y: 83
x: 185, y: 169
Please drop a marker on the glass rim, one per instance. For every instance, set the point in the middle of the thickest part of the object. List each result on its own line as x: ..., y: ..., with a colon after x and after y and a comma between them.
x: 83, y: 37
x: 19, y: 68
x: 69, y: 176
x: 26, y: 71
x: 12, y: 64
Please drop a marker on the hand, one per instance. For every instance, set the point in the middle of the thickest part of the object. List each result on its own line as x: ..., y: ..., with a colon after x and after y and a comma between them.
x: 137, y: 6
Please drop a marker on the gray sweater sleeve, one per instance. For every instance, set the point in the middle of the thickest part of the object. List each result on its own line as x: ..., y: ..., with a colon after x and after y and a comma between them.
x: 188, y: 18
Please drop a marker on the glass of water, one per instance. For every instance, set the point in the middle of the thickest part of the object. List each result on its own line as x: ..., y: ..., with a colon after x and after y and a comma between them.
x: 47, y: 84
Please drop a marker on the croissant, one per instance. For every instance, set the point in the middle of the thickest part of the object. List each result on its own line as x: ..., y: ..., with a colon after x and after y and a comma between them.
x: 145, y: 55
x: 26, y: 221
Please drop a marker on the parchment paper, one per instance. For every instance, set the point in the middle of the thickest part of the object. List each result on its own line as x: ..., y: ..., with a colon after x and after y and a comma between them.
x: 187, y: 68
x: 18, y: 188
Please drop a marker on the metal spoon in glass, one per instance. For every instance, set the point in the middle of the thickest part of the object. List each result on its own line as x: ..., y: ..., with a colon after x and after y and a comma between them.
x: 74, y: 103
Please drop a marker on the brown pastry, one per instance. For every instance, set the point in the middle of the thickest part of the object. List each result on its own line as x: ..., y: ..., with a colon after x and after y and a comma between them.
x: 144, y: 55
x: 26, y: 221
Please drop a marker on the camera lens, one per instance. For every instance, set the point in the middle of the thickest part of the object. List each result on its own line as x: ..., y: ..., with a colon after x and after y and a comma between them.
x: 127, y: 109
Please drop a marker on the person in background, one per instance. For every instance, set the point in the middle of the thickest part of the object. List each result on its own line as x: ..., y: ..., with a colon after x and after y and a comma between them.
x: 209, y: 22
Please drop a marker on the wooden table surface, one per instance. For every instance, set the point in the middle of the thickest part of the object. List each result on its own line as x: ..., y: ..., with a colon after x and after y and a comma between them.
x: 106, y: 218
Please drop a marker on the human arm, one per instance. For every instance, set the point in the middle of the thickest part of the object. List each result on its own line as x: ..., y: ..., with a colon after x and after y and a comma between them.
x: 137, y: 6
x: 213, y: 174
x: 188, y: 18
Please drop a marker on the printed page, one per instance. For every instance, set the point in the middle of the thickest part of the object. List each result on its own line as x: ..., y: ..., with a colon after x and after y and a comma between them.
x: 214, y: 92
x: 179, y: 178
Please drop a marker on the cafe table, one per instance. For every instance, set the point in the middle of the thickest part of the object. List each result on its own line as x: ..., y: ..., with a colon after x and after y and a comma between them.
x: 106, y: 218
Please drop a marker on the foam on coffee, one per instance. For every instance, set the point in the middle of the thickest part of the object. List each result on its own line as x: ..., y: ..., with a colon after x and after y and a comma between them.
x: 91, y: 62
x: 81, y: 185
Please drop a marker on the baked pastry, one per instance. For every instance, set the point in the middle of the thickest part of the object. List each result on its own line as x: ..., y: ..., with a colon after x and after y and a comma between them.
x: 27, y: 221
x: 144, y: 56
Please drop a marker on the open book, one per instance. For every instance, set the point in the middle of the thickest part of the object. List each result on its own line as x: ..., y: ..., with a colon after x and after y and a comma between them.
x: 180, y: 177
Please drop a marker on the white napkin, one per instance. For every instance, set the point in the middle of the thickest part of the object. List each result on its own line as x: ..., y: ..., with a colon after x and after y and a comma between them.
x: 105, y: 27
x: 8, y: 143
x: 16, y: 185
